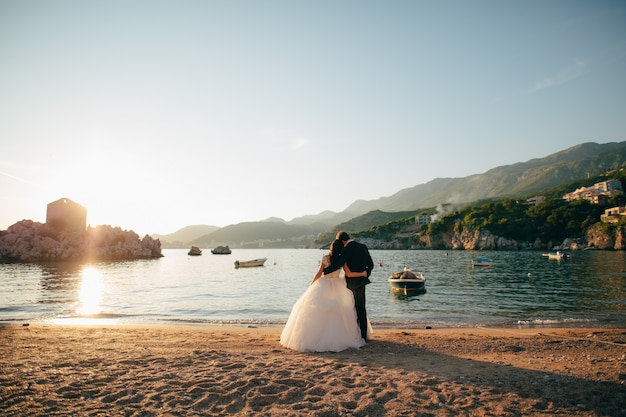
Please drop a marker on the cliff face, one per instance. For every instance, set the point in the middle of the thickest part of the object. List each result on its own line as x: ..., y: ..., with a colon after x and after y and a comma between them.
x: 597, y: 237
x: 620, y: 239
x: 29, y: 241
x: 481, y: 240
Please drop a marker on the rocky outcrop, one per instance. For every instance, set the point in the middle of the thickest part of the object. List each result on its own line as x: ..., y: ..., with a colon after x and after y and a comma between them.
x: 620, y: 238
x: 470, y: 239
x: 598, y: 236
x: 602, y: 236
x: 29, y: 241
x: 383, y: 244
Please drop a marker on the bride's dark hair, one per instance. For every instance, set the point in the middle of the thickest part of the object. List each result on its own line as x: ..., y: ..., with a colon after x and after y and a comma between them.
x: 336, y: 248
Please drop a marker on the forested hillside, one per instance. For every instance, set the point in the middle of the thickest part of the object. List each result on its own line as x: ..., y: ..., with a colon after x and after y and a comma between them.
x: 552, y: 220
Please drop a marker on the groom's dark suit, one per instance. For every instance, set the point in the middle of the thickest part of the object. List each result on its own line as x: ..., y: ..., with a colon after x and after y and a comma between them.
x: 357, y: 257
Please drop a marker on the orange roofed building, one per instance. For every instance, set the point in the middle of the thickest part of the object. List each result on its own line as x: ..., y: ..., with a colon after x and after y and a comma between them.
x: 65, y: 214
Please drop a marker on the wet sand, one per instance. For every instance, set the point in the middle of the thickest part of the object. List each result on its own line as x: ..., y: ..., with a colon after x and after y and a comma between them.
x: 182, y: 370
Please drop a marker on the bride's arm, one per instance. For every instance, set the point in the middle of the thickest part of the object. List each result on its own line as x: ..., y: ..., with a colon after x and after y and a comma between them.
x: 323, y: 264
x: 320, y: 272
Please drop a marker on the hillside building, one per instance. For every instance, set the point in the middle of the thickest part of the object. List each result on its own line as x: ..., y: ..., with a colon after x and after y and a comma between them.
x: 599, y: 193
x: 423, y: 219
x: 614, y: 214
x: 533, y: 201
x: 67, y: 215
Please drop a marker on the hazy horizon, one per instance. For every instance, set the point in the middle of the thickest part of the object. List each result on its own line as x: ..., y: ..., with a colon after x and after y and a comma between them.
x: 159, y: 115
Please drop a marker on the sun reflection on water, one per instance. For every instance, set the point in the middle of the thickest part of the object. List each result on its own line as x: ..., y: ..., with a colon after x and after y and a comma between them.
x: 90, y: 292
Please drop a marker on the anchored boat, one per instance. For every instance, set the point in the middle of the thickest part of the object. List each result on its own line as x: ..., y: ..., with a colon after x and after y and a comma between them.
x: 250, y: 263
x: 407, y: 281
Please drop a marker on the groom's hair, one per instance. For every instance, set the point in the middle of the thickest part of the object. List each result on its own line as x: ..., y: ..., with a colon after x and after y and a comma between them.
x: 341, y: 235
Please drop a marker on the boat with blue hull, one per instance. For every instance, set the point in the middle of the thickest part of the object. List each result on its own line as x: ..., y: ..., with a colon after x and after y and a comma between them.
x: 482, y: 261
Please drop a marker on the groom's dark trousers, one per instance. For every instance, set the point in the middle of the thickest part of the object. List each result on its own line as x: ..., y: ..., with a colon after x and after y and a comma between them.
x: 357, y: 286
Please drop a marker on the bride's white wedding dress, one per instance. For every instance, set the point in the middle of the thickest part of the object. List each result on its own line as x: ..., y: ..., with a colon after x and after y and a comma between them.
x: 324, y: 318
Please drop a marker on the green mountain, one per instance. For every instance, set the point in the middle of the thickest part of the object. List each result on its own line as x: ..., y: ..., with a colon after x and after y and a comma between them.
x: 520, y: 179
x: 269, y: 233
x: 524, y: 178
x: 182, y: 237
x: 511, y: 222
x: 368, y: 221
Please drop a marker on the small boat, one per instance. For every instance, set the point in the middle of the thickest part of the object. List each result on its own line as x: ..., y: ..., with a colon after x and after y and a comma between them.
x: 407, y: 280
x: 248, y: 264
x: 556, y: 256
x: 482, y: 261
x: 221, y: 250
x: 194, y: 251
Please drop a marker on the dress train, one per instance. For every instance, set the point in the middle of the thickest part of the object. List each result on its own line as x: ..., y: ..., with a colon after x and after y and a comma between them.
x: 324, y: 318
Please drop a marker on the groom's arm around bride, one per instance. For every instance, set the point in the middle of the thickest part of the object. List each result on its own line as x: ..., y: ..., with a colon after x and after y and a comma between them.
x: 356, y: 256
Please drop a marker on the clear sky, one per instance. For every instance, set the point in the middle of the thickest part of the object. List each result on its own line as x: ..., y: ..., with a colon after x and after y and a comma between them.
x: 160, y: 114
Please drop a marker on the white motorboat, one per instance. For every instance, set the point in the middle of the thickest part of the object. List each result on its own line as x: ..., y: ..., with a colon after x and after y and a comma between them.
x: 250, y: 263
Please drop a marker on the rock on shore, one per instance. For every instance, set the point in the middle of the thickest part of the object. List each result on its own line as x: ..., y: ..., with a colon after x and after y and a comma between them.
x: 30, y: 241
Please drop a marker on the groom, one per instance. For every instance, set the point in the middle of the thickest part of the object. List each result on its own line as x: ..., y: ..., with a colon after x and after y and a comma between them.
x: 357, y: 257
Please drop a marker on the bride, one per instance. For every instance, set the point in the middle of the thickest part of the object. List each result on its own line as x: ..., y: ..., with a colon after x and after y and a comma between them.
x: 324, y: 318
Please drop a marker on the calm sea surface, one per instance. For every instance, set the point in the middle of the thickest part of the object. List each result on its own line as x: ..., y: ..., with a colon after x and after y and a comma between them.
x: 520, y: 289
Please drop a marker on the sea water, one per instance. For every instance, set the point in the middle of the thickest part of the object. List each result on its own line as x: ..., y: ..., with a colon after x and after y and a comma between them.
x: 519, y: 289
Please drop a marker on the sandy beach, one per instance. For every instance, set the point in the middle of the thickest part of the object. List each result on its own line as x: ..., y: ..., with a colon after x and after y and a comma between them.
x: 157, y: 370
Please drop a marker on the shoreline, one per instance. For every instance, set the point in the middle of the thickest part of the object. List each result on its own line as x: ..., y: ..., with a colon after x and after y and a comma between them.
x: 190, y: 369
x: 384, y: 326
